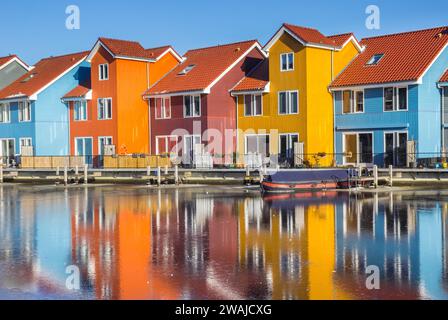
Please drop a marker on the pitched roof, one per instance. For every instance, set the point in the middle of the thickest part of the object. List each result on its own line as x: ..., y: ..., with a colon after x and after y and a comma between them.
x: 406, y: 57
x: 339, y: 40
x: 207, y: 64
x: 256, y: 80
x: 5, y: 60
x: 312, y: 37
x: 444, y: 77
x: 77, y: 92
x: 132, y: 49
x: 44, y: 73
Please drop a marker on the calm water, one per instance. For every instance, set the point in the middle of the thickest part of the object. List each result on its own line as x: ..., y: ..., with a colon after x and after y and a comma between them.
x: 220, y: 243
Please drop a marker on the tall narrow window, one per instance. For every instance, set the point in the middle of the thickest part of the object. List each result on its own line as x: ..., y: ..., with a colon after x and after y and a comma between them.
x: 104, y: 71
x: 287, y: 61
x: 192, y: 106
x: 80, y: 110
x: 402, y: 98
x: 359, y: 101
x: 347, y: 101
x: 5, y: 113
x: 163, y: 108
x: 24, y: 111
x: 288, y: 102
x: 253, y: 105
x: 396, y: 99
x: 104, y: 108
x: 102, y: 143
x: 389, y: 99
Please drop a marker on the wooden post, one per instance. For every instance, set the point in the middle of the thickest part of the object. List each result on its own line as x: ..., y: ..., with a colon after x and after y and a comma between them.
x: 159, y: 176
x: 176, y: 174
x: 247, y: 171
x: 148, y: 171
x: 76, y: 170
x: 57, y: 171
x: 1, y: 173
x: 65, y: 176
x: 166, y: 169
x: 375, y: 176
x: 86, y: 174
x: 391, y: 175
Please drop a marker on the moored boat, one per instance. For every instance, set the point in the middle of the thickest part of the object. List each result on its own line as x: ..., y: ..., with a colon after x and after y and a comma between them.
x: 304, y: 180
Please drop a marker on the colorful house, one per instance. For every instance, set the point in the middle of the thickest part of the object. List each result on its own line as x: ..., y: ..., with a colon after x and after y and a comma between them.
x: 11, y: 68
x: 192, y: 105
x: 388, y: 100
x: 109, y: 109
x: 32, y: 114
x: 287, y: 100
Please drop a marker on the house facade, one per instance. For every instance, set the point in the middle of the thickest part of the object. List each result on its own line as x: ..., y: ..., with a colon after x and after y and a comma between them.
x: 388, y: 104
x: 192, y: 105
x: 11, y: 68
x: 292, y: 86
x: 31, y: 111
x: 109, y: 110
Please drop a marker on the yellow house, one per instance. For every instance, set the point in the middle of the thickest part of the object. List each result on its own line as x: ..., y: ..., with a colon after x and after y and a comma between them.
x: 286, y: 100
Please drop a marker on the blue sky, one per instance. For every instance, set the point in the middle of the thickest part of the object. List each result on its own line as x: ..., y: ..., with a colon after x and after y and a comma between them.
x: 36, y: 29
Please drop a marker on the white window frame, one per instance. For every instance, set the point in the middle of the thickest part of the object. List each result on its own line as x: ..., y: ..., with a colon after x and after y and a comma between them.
x: 395, y: 99
x: 14, y: 144
x: 289, y: 137
x: 354, y: 101
x: 163, y: 109
x: 166, y: 138
x: 288, y: 106
x: 22, y: 106
x: 98, y: 109
x: 100, y: 152
x: 25, y: 139
x: 192, y: 98
x: 253, y: 102
x: 102, y: 69
x: 287, y: 62
x: 5, y: 109
x: 85, y: 117
x: 246, y: 145
x: 357, y: 133
x: 84, y: 144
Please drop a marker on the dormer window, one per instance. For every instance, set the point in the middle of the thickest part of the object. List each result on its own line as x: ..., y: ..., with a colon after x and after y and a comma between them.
x: 104, y: 72
x: 186, y: 70
x: 375, y: 59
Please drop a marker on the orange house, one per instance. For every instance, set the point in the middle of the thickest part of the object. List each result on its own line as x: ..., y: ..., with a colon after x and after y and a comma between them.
x: 110, y: 111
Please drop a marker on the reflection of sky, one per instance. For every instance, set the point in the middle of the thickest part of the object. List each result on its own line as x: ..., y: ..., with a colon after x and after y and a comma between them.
x: 53, y: 238
x: 430, y: 248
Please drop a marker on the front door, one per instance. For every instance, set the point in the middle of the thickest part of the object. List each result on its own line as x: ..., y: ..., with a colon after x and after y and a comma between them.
x: 287, y: 142
x: 84, y: 147
x: 7, y: 151
x: 395, y: 148
x: 189, y: 145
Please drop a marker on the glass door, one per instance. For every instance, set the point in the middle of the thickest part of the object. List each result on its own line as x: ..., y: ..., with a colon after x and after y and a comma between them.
x: 189, y: 145
x: 7, y: 150
x: 84, y: 147
x: 286, y: 147
x: 395, y: 148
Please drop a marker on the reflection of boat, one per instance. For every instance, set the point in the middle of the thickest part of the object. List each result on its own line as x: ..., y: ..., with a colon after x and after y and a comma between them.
x: 306, y: 180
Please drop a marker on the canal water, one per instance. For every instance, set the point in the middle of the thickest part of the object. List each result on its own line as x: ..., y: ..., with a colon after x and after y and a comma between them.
x: 221, y: 243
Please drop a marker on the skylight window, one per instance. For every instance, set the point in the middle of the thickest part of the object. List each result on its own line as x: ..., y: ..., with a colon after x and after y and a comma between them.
x: 375, y: 59
x: 187, y: 69
x: 31, y: 76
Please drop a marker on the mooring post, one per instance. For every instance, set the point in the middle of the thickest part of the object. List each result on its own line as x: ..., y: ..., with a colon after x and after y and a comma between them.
x: 1, y: 173
x: 247, y: 171
x: 76, y: 170
x: 375, y: 176
x: 57, y: 171
x: 391, y: 175
x: 159, y: 176
x: 176, y: 174
x: 65, y: 176
x: 86, y: 174
x: 148, y: 171
x: 166, y: 169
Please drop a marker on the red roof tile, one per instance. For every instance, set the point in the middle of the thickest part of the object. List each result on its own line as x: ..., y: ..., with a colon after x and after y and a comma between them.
x: 308, y: 35
x: 4, y: 60
x: 125, y: 48
x: 256, y: 80
x: 406, y: 58
x: 78, y: 92
x: 444, y: 77
x: 339, y: 40
x: 209, y: 63
x: 155, y: 53
x: 44, y: 72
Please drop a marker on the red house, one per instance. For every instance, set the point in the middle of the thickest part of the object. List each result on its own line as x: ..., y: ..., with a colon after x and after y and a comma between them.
x: 192, y: 104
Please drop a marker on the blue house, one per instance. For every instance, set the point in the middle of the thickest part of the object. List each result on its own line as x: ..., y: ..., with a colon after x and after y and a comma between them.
x: 31, y: 111
x: 388, y: 101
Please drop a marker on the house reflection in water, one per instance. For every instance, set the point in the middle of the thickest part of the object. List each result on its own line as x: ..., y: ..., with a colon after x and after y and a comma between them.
x: 198, y: 243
